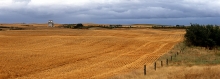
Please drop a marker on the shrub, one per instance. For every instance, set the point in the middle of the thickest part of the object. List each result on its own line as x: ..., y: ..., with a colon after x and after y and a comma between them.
x: 78, y: 25
x: 68, y: 25
x: 203, y: 35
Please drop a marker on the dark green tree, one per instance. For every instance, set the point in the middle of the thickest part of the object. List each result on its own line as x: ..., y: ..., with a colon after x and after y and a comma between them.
x: 203, y: 35
x: 79, y: 26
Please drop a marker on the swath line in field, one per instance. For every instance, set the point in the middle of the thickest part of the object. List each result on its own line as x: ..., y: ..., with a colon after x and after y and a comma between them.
x: 128, y: 65
x: 94, y: 65
x: 70, y: 59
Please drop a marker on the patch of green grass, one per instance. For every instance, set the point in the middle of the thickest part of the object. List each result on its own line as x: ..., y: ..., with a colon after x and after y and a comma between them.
x: 192, y: 56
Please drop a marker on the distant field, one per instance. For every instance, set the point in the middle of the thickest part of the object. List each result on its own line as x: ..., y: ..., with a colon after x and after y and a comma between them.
x: 57, y: 25
x: 25, y: 25
x: 81, y: 54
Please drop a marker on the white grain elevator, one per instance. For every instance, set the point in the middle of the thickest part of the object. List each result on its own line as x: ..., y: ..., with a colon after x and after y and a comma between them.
x: 50, y: 23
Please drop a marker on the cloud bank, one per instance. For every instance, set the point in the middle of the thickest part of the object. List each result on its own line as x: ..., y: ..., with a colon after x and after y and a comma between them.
x: 113, y: 11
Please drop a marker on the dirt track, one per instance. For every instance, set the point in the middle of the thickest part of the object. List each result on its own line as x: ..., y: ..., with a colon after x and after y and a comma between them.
x: 81, y: 54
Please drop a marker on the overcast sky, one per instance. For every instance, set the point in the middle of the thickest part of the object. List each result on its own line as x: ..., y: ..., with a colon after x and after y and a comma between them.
x: 111, y: 11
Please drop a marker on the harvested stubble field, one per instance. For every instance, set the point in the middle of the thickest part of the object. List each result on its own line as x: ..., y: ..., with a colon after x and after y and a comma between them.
x: 81, y: 54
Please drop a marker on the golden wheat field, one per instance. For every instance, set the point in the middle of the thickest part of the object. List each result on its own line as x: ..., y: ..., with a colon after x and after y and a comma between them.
x: 81, y: 54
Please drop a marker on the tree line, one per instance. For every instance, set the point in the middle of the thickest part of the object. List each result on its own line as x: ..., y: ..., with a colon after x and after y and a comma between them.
x: 203, y: 35
x: 169, y: 27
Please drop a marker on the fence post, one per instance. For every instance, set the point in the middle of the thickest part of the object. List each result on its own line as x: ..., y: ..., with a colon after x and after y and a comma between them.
x: 182, y: 51
x: 145, y: 70
x: 177, y: 53
x: 155, y: 66
x: 161, y: 63
x: 171, y: 58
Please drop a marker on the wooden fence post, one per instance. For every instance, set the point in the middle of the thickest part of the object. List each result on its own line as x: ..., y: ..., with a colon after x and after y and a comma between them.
x: 161, y: 63
x: 171, y: 58
x: 167, y: 62
x: 155, y: 66
x: 177, y: 53
x: 145, y: 70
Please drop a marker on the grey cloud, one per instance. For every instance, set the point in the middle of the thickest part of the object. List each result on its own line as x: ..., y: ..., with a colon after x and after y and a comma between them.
x: 21, y: 0
x: 148, y: 10
x: 125, y: 9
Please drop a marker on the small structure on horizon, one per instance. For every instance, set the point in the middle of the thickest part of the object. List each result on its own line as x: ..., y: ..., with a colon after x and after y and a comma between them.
x: 50, y: 23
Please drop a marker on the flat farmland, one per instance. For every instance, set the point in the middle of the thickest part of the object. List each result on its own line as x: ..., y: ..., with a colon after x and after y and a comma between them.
x: 81, y: 54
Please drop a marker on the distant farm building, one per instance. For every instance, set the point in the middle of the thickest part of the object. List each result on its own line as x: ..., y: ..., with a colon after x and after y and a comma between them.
x: 50, y: 23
